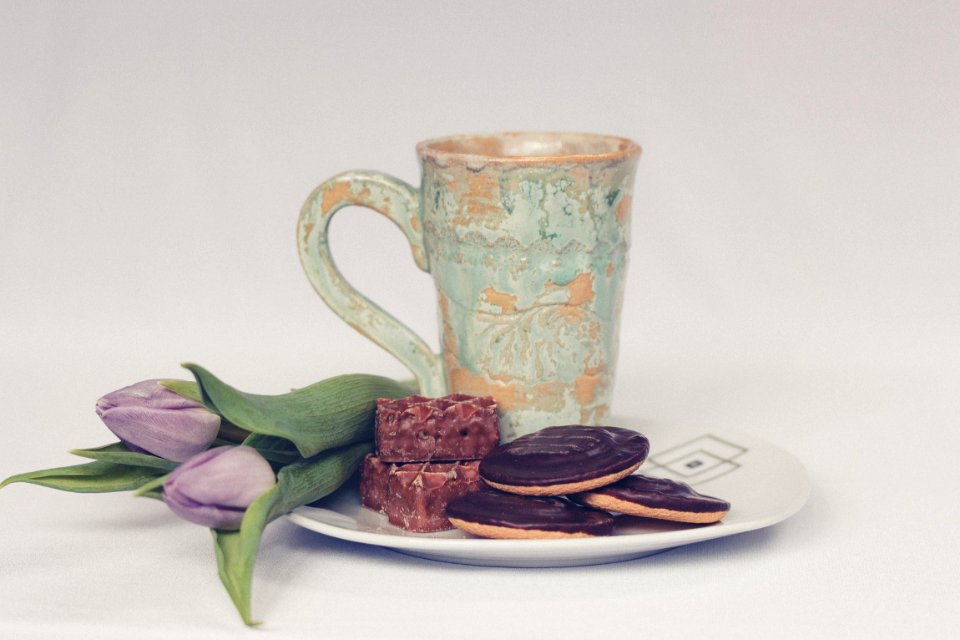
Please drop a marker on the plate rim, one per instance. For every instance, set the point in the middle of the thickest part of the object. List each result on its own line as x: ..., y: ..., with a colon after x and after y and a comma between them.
x: 621, y: 544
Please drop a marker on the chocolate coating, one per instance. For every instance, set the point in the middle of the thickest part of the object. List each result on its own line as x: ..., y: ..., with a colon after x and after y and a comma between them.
x: 659, y: 493
x: 498, y: 509
x: 564, y: 454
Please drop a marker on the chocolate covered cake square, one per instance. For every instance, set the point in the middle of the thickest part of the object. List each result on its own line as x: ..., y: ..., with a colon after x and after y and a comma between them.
x: 414, y: 496
x: 419, y: 429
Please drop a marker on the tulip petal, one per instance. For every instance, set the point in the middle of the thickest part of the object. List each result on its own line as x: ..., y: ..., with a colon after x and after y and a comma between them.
x: 150, y: 417
x: 234, y: 478
x: 210, y: 516
x: 214, y: 487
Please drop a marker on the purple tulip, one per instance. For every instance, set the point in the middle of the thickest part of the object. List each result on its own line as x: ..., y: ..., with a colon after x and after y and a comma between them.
x: 214, y: 488
x: 149, y: 417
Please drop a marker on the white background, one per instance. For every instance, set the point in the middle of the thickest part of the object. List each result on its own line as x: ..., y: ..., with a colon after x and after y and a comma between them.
x: 795, y: 275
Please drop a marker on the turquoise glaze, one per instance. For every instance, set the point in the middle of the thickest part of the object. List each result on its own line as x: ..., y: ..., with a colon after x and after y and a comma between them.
x: 526, y: 236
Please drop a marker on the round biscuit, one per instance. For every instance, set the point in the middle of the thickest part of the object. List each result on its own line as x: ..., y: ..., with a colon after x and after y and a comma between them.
x: 563, y: 489
x: 512, y: 533
x: 610, y: 503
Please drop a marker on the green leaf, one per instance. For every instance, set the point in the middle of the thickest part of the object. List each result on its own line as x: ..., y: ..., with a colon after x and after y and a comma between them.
x: 94, y: 477
x: 274, y: 449
x: 237, y: 551
x: 332, y: 413
x: 191, y: 391
x: 297, y: 484
x: 315, y: 478
x: 119, y: 454
x: 186, y: 388
x: 152, y: 489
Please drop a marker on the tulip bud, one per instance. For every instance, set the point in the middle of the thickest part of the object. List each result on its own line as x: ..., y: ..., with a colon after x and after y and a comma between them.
x: 149, y: 417
x: 214, y: 488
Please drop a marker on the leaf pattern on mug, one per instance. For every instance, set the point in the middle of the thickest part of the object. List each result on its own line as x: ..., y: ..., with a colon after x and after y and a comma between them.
x: 536, y: 342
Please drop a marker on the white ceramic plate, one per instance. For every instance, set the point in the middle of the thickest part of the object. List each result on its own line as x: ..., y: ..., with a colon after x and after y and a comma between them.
x: 763, y: 483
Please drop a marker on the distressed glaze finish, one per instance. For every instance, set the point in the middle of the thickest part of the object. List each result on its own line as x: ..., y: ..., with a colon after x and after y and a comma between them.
x: 526, y: 236
x: 398, y: 202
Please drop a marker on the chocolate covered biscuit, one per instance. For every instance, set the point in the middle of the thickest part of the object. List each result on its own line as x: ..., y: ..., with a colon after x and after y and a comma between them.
x: 659, y: 498
x: 564, y: 459
x: 491, y: 514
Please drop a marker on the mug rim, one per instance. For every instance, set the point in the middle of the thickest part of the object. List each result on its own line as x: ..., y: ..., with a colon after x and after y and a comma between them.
x: 432, y: 148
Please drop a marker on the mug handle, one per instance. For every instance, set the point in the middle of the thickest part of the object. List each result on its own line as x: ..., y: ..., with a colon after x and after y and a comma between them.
x: 399, y: 203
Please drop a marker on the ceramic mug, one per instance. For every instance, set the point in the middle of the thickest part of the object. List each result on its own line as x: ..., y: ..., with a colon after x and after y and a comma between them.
x: 526, y: 236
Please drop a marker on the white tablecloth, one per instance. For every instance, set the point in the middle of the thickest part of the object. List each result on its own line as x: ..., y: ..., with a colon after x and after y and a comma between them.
x: 794, y: 276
